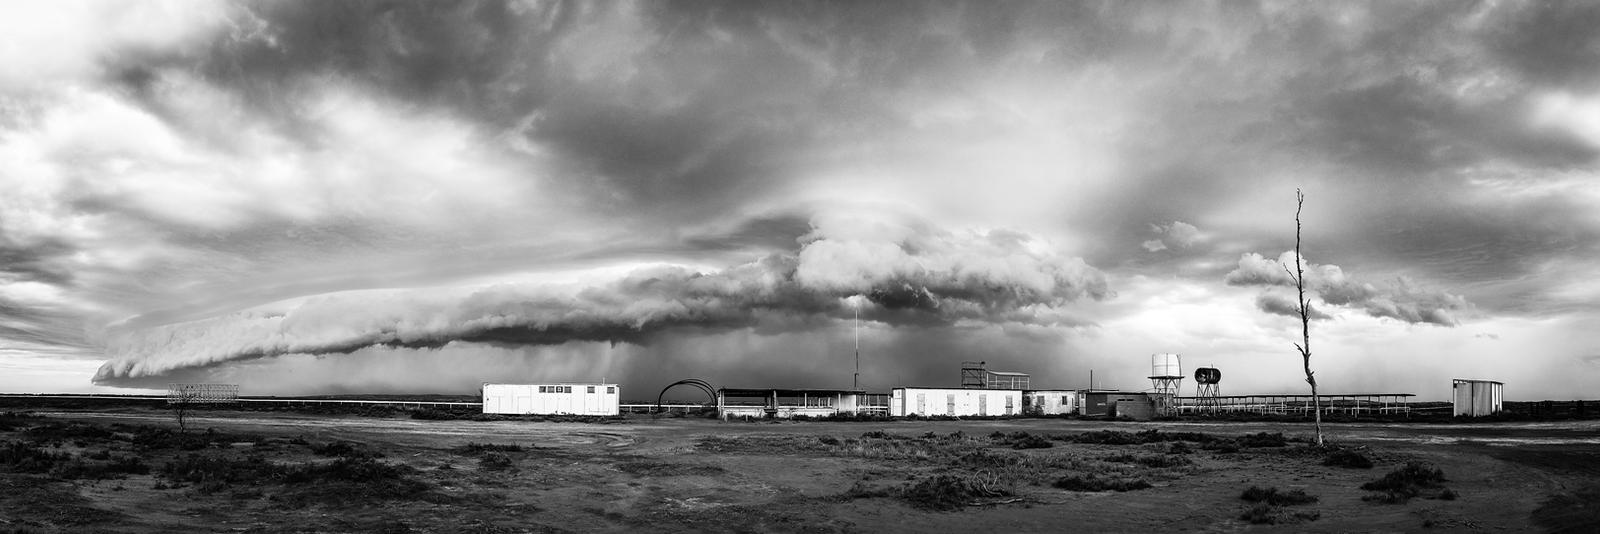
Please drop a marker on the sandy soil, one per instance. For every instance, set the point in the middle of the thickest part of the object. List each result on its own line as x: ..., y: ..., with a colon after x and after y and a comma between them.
x: 678, y: 475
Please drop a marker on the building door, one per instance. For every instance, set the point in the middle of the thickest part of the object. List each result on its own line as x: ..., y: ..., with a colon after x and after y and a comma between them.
x: 591, y: 401
x: 983, y: 404
x: 950, y: 404
x: 1010, y: 407
x: 922, y: 404
x: 524, y: 404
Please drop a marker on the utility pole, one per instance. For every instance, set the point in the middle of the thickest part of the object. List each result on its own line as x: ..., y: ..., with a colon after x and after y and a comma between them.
x: 855, y: 383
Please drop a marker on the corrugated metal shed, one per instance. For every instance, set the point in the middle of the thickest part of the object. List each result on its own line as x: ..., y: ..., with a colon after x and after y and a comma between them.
x: 1477, y: 398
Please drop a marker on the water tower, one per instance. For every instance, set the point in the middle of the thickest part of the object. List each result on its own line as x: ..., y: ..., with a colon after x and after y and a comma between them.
x: 1206, y: 390
x: 1166, y: 374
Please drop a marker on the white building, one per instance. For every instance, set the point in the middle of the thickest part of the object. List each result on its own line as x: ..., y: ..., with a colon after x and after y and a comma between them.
x: 1474, y: 398
x: 1049, y: 401
x: 551, y: 399
x: 954, y: 402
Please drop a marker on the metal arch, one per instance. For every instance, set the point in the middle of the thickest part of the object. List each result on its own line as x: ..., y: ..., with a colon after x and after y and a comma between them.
x: 709, y: 389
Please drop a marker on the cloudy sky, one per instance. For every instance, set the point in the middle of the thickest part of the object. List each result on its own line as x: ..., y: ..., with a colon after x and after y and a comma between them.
x: 332, y: 197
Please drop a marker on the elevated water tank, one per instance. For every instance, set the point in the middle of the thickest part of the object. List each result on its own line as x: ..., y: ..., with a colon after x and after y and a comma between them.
x: 1207, y: 375
x: 1165, y: 365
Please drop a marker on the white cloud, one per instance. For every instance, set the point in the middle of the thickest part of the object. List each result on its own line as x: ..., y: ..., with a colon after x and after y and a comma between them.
x: 43, y: 44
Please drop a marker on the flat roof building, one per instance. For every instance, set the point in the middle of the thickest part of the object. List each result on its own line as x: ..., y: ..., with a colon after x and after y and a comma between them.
x: 963, y: 402
x: 552, y: 399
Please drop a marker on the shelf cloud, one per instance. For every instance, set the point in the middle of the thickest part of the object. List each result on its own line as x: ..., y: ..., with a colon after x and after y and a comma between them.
x: 903, y: 273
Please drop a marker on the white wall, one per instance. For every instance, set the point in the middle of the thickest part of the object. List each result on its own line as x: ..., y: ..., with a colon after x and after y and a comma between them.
x: 954, y: 402
x: 1053, y: 402
x: 553, y: 399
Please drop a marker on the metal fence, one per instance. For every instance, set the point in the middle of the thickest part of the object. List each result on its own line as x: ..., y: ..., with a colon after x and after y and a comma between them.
x: 202, y: 393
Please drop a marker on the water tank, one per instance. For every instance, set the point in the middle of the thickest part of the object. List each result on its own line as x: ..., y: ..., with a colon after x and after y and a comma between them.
x: 1165, y: 365
x: 1207, y: 375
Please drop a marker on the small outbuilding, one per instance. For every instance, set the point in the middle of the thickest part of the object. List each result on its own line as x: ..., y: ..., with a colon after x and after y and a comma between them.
x: 954, y: 402
x: 1477, y: 398
x: 1132, y: 405
x: 1049, y: 401
x: 552, y: 399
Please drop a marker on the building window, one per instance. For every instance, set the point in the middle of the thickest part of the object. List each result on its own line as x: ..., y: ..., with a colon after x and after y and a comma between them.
x: 1064, y: 400
x: 591, y: 389
x: 544, y: 389
x: 611, y: 390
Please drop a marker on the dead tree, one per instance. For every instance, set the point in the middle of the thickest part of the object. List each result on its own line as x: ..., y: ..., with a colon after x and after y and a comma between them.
x: 1299, y: 277
x: 182, y: 403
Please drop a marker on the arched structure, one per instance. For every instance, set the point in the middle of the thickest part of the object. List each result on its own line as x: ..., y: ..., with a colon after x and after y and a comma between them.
x: 711, y: 391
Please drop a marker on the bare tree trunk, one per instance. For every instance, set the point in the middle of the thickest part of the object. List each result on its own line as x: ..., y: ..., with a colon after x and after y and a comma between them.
x: 182, y: 404
x: 1305, y: 316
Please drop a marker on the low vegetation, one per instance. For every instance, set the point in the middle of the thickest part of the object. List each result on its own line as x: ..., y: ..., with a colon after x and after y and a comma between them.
x: 1266, y: 514
x: 1274, y: 497
x: 1414, y: 479
x: 1347, y: 458
x: 952, y: 491
x: 1094, y: 483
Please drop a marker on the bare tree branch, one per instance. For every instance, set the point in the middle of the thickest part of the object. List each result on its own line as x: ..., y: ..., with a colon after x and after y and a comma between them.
x: 1299, y: 276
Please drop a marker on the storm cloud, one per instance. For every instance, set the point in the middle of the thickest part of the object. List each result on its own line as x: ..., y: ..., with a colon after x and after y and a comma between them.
x: 230, y: 186
x: 906, y: 272
x: 1399, y: 299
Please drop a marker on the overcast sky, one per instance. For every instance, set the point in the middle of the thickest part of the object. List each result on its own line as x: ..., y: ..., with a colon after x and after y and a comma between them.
x: 333, y: 197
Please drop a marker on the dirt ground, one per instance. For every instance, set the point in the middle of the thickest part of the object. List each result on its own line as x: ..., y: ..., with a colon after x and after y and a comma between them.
x: 645, y: 474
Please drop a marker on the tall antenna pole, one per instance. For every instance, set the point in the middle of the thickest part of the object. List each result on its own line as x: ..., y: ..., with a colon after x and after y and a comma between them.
x: 855, y: 383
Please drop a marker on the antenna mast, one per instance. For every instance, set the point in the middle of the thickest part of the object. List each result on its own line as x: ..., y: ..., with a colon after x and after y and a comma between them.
x: 855, y: 383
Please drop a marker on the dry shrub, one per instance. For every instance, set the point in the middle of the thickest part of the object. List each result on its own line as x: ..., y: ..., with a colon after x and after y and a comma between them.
x: 1094, y: 483
x: 473, y: 449
x: 950, y: 492
x: 1400, y: 485
x: 495, y: 461
x: 1274, y: 497
x: 1347, y: 458
x: 1266, y: 514
x: 22, y: 457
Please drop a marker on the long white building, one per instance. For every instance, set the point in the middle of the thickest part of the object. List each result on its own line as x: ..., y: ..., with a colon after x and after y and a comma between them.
x: 954, y: 402
x: 552, y: 399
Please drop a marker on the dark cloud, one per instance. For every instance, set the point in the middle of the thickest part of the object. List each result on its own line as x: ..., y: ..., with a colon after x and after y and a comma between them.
x: 1400, y: 299
x: 1285, y: 305
x: 925, y: 278
x: 36, y: 262
x: 1551, y: 42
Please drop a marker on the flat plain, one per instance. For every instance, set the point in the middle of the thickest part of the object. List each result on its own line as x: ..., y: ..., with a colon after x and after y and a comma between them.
x: 131, y: 470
